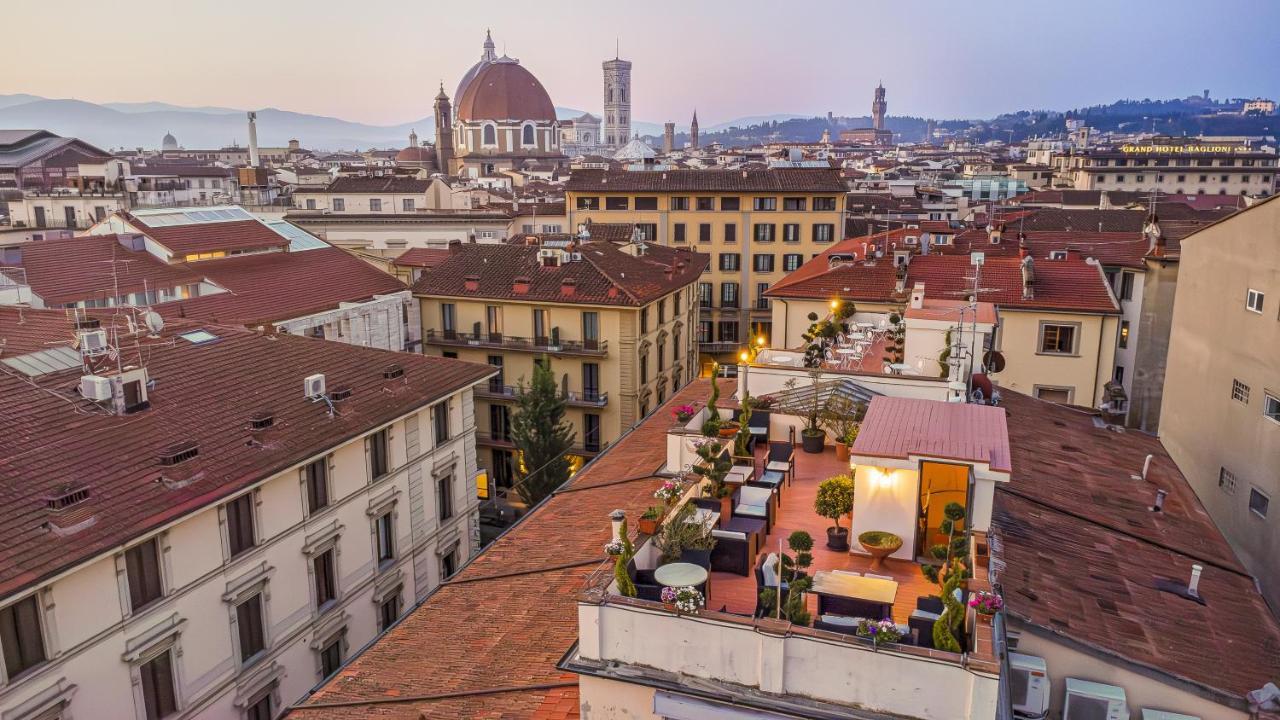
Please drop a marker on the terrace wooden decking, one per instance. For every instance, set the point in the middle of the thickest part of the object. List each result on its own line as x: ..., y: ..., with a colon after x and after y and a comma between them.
x: 737, y: 594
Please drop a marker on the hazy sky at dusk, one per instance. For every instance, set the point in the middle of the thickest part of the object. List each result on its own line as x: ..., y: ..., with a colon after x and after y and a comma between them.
x: 379, y: 61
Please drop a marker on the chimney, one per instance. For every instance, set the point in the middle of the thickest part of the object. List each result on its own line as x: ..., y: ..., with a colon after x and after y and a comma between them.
x: 1028, y: 278
x: 1161, y: 493
x: 994, y: 233
x: 569, y: 286
x: 455, y: 247
x: 253, y: 139
x: 471, y: 283
x: 917, y: 296
x: 520, y: 285
x: 1193, y: 587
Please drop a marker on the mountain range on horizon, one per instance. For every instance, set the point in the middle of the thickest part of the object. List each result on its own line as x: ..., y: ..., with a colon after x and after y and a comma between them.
x: 144, y: 124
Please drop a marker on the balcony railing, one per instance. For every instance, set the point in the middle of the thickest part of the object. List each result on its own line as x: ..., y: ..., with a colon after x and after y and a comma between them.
x: 595, y: 348
x: 719, y: 346
x: 488, y: 439
x: 586, y: 398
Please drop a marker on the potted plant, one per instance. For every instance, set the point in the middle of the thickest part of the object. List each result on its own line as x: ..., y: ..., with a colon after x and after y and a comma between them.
x: 683, y: 599
x: 810, y: 408
x: 711, y: 428
x: 833, y: 500
x: 650, y: 519
x: 681, y: 533
x: 879, y: 545
x: 742, y: 439
x: 842, y: 416
x: 683, y: 413
x: 879, y: 631
x: 986, y: 604
x: 714, y: 467
x: 795, y: 574
x: 669, y: 492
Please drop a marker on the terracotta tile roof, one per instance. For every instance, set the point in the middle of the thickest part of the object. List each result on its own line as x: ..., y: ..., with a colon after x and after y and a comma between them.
x: 512, y: 627
x: 212, y: 236
x: 780, y: 180
x: 540, y: 209
x: 1084, y: 553
x: 95, y: 267
x: 365, y: 184
x: 611, y: 232
x: 270, y: 287
x: 897, y: 427
x: 606, y: 274
x: 51, y: 439
x: 421, y: 257
x: 1124, y: 249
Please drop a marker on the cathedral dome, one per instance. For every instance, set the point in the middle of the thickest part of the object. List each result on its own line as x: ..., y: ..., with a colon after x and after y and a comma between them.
x: 503, y: 90
x: 169, y: 142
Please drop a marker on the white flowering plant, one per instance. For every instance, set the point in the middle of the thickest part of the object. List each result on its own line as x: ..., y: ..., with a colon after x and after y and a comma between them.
x: 686, y: 599
x: 879, y: 631
x: 614, y: 547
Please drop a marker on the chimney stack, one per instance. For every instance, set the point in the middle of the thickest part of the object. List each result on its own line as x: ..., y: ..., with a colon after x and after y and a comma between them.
x: 1161, y: 493
x: 253, y: 139
x: 1193, y: 587
x: 1028, y: 278
x: 917, y: 296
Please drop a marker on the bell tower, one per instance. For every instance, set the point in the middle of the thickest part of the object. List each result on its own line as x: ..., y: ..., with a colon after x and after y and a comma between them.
x: 617, y: 102
x: 878, y: 108
x: 444, y: 133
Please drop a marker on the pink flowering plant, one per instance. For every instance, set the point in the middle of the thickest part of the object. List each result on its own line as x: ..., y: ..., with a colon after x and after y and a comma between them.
x: 669, y: 492
x: 879, y: 631
x: 986, y: 603
x: 683, y: 413
x: 686, y: 599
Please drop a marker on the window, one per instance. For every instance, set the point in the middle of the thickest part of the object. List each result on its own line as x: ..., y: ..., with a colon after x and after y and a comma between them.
x: 1226, y: 481
x: 490, y: 135
x: 661, y: 354
x: 339, y: 205
x: 705, y: 334
x: 646, y: 203
x: 260, y: 710
x: 706, y: 203
x: 791, y: 233
x: 765, y: 232
x: 679, y: 203
x: 388, y: 611
x: 591, y: 381
x: 615, y: 203
x: 1253, y: 301
x: 316, y: 474
x: 379, y: 453
x: 662, y: 311
x: 385, y: 533
x: 440, y: 421
x: 589, y: 203
x: 590, y: 329
x: 648, y: 231
x: 704, y: 232
x: 730, y: 233
x: 448, y: 319
x: 728, y: 331
x: 679, y: 233
x: 763, y: 263
x: 794, y: 203
x: 526, y: 136
x: 644, y: 369
x: 792, y: 262
x: 1271, y: 407
x: 729, y: 295
x: 249, y: 627
x: 1126, y: 286
x: 1258, y: 502
x: 729, y: 262
x: 762, y: 302
x: 591, y: 432
x: 331, y: 657
x: 240, y: 533
x: 1239, y: 391
x: 158, y: 696
x: 311, y: 203
x: 824, y: 232
x: 730, y: 203
x: 406, y: 204
x: 444, y: 496
x: 824, y: 203
x: 375, y: 205
x: 1058, y: 339
x: 142, y: 566
x: 1054, y: 394
x: 644, y: 320
x: 1124, y: 334
x: 449, y: 562
x: 704, y: 294
x: 764, y: 203
x: 326, y: 584
x: 21, y: 638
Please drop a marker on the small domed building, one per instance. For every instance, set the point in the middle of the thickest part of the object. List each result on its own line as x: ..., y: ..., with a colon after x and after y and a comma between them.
x: 421, y: 157
x: 169, y: 143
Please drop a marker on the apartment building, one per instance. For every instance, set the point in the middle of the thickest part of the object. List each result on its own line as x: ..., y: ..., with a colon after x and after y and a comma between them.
x: 614, y: 320
x: 202, y: 521
x: 1220, y: 415
x: 755, y: 225
x: 1175, y: 165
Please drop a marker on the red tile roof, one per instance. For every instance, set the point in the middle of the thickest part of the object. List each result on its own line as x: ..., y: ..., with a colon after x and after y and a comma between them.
x: 270, y: 287
x: 212, y: 236
x: 1084, y: 553
x: 606, y: 275
x: 511, y: 613
x: 777, y: 180
x: 897, y: 427
x: 365, y: 184
x: 94, y: 267
x: 51, y: 439
x: 421, y: 257
x: 1125, y: 249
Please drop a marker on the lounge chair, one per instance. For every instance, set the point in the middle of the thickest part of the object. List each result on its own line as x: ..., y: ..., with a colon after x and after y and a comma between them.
x: 782, y: 458
x: 732, y: 552
x: 756, y: 502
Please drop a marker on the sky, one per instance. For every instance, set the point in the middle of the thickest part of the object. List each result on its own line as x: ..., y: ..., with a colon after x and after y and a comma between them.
x: 380, y: 61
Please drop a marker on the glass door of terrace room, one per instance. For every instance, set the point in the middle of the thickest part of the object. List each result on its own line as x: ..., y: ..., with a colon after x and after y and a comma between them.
x: 940, y: 485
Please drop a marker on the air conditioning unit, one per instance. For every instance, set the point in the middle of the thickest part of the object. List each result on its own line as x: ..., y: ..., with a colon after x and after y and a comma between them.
x: 96, y: 388
x: 93, y: 342
x: 1087, y: 700
x: 313, y: 386
x: 1028, y: 675
x: 1149, y: 714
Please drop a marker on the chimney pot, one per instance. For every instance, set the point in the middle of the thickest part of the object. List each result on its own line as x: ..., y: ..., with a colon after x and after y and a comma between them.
x: 1193, y: 587
x: 1160, y: 496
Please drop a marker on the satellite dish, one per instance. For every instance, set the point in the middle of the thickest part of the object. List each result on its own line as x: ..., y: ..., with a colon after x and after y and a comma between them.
x: 154, y: 322
x: 993, y: 360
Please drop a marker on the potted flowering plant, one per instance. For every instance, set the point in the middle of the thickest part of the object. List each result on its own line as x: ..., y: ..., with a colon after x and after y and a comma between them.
x: 684, y: 413
x: 986, y: 604
x: 682, y: 599
x: 614, y: 548
x: 650, y: 519
x: 669, y: 492
x: 879, y: 631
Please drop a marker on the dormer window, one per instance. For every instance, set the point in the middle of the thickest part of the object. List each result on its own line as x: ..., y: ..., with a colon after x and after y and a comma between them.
x: 1057, y: 254
x: 180, y: 453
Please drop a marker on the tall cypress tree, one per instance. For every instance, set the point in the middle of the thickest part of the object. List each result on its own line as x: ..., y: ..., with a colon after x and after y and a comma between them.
x: 542, y: 436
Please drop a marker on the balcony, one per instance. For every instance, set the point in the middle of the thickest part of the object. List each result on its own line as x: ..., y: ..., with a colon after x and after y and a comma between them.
x: 588, y: 348
x: 487, y: 438
x: 574, y: 398
x: 720, y: 346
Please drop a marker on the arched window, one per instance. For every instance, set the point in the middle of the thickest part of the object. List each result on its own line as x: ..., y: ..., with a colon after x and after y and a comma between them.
x: 610, y: 99
x: 586, y: 138
x: 490, y: 135
x: 527, y: 136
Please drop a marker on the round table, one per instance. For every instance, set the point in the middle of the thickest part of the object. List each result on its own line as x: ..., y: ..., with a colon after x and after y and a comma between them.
x: 865, y: 325
x: 847, y: 351
x: 680, y: 574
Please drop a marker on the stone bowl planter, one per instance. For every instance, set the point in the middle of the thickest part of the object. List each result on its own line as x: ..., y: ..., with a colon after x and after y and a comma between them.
x: 879, y: 545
